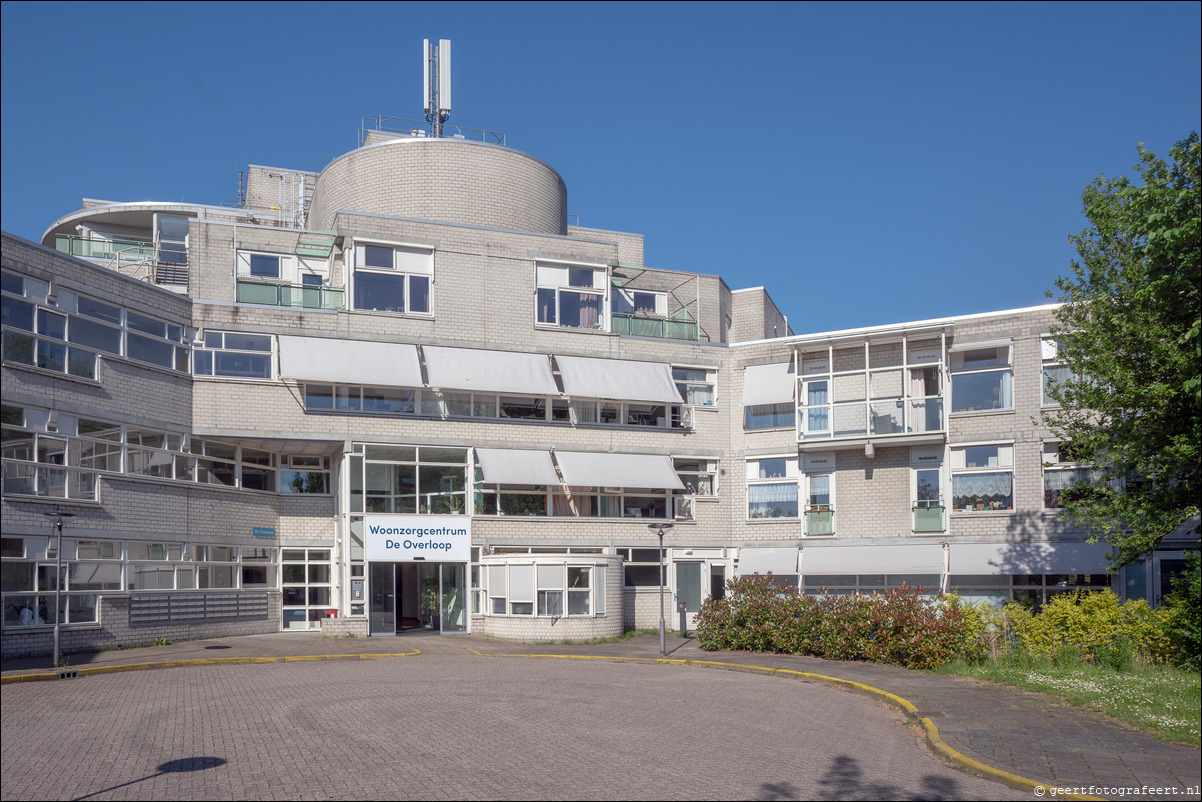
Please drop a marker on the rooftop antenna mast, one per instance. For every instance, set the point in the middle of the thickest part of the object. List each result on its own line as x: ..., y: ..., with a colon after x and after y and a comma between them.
x: 436, y: 80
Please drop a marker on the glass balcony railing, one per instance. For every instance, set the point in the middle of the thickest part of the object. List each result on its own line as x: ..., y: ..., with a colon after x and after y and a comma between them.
x: 275, y: 293
x: 820, y: 520
x: 663, y: 328
x: 871, y: 418
x: 128, y: 251
x: 928, y: 515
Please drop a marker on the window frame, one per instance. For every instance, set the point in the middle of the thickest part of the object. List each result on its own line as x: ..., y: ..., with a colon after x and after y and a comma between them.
x: 406, y: 270
x: 548, y: 283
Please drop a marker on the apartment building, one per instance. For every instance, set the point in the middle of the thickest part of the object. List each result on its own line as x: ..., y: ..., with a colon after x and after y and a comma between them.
x: 402, y: 394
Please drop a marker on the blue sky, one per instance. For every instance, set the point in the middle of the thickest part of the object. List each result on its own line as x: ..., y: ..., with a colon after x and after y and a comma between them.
x: 868, y: 163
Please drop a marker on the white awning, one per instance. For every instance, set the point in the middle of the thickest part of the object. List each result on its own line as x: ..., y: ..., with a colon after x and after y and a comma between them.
x: 581, y: 469
x: 321, y: 359
x: 916, y: 558
x: 517, y: 467
x: 979, y: 344
x: 1029, y: 558
x: 489, y: 371
x: 768, y: 384
x: 780, y: 562
x: 620, y: 379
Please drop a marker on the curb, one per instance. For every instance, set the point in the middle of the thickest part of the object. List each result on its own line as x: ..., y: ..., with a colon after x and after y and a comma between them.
x: 209, y: 661
x: 934, y: 741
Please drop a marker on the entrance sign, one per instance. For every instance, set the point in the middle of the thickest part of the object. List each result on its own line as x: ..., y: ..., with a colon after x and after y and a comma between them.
x: 413, y: 538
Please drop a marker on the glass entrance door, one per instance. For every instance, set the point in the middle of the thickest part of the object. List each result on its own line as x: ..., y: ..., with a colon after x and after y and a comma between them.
x: 454, y: 597
x: 382, y: 609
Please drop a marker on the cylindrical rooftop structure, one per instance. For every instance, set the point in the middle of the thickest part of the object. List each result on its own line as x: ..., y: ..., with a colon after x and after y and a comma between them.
x: 447, y: 180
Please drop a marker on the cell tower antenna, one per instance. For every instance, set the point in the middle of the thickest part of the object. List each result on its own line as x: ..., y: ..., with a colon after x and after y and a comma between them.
x: 436, y: 83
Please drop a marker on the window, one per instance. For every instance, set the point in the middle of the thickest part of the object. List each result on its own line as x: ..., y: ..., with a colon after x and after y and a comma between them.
x: 697, y: 386
x: 981, y: 378
x: 926, y: 488
x: 1064, y: 475
x: 305, y: 587
x: 641, y: 569
x: 571, y: 297
x: 770, y: 416
x: 820, y: 510
x: 409, y: 479
x: 303, y: 474
x: 1054, y: 373
x: 392, y: 278
x: 982, y: 478
x: 233, y: 355
x: 66, y: 338
x: 772, y: 487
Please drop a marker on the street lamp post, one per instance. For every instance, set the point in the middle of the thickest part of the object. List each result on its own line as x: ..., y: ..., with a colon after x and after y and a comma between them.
x: 56, y: 518
x: 663, y: 649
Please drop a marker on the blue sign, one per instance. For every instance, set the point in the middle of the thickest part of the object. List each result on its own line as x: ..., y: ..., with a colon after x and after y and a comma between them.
x: 263, y: 531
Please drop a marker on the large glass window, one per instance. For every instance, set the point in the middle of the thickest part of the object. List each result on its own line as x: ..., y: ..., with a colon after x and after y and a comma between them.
x: 233, y: 355
x: 983, y: 478
x: 410, y: 479
x: 67, y: 338
x: 772, y: 488
x: 982, y: 379
x: 769, y: 416
x: 544, y: 589
x: 393, y: 278
x: 1064, y: 475
x: 571, y: 297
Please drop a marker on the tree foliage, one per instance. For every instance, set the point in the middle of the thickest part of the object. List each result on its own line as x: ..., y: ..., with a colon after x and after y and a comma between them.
x: 1129, y: 328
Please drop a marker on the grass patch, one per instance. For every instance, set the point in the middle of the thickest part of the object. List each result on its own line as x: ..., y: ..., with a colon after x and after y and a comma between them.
x: 1164, y: 701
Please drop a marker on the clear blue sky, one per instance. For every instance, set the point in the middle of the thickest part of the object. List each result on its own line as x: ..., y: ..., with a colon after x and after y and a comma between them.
x: 868, y: 163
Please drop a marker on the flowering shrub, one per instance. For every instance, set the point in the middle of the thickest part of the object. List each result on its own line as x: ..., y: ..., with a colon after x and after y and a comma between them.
x: 901, y: 627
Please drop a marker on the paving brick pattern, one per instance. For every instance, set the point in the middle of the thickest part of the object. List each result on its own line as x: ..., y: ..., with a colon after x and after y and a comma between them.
x: 476, y: 718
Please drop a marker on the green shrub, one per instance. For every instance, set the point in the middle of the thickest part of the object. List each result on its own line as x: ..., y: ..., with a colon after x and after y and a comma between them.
x: 1184, y: 613
x: 902, y: 627
x: 1090, y: 625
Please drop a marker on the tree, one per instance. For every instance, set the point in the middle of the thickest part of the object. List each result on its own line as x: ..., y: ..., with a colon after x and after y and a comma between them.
x: 1129, y: 328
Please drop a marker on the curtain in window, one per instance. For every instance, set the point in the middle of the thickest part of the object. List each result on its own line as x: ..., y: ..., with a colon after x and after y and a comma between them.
x: 820, y: 489
x: 1007, y: 390
x: 772, y: 500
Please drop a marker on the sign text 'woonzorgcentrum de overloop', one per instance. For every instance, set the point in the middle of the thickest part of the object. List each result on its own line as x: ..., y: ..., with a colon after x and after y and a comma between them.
x: 407, y: 538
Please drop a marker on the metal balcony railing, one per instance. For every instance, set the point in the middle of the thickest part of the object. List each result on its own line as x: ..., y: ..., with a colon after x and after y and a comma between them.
x: 275, y: 293
x: 663, y: 328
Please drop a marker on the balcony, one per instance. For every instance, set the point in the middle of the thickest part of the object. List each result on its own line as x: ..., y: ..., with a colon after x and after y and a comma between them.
x: 166, y: 264
x: 302, y: 296
x: 928, y: 515
x: 860, y: 419
x: 658, y: 327
x: 820, y: 520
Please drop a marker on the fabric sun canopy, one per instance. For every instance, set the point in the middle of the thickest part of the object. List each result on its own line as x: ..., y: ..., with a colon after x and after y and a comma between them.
x: 581, y: 469
x: 768, y: 384
x: 517, y: 467
x: 925, y: 558
x: 620, y: 379
x: 1028, y: 558
x: 489, y: 371
x: 778, y: 562
x: 349, y: 362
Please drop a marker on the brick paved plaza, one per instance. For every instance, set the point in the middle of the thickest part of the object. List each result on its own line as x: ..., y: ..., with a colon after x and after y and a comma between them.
x: 450, y: 724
